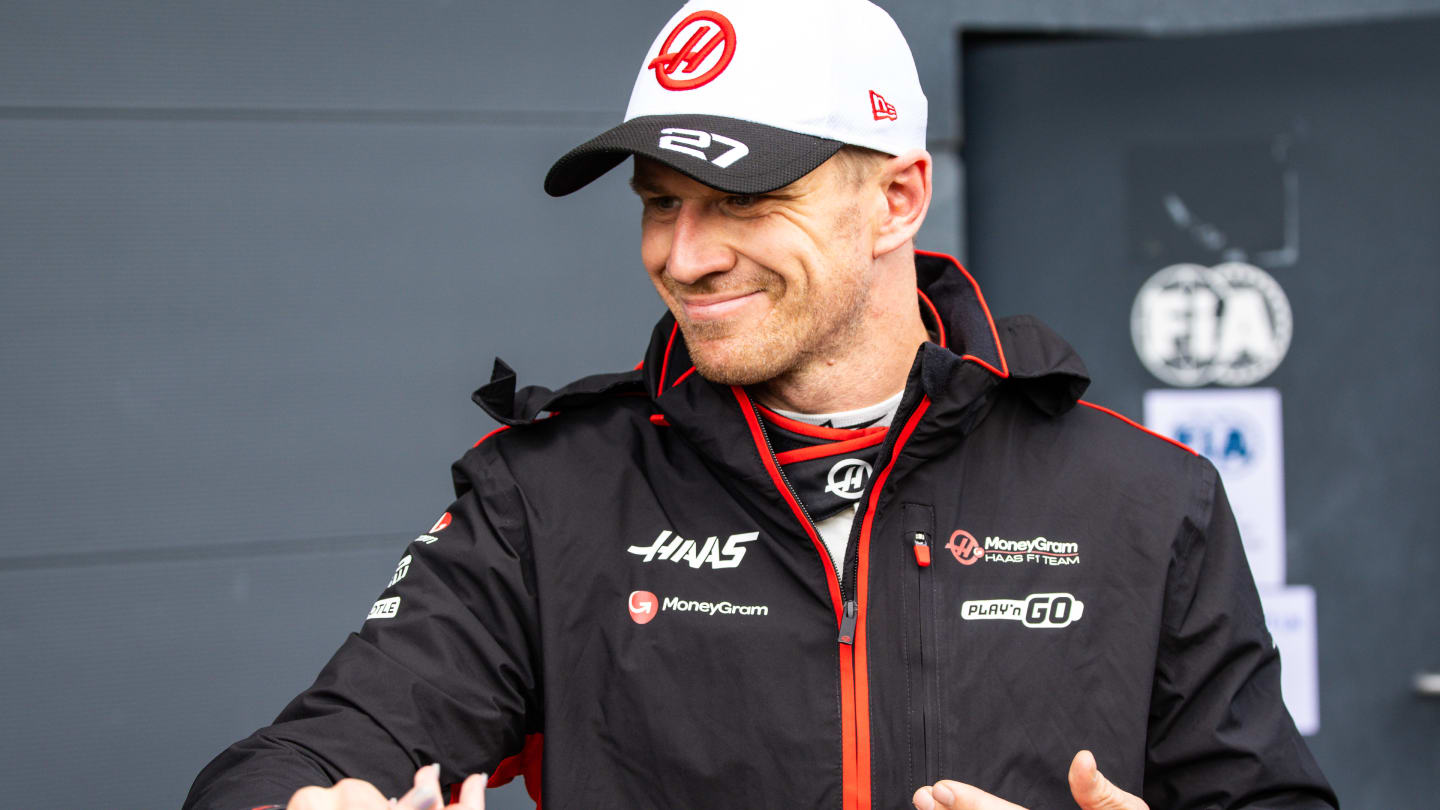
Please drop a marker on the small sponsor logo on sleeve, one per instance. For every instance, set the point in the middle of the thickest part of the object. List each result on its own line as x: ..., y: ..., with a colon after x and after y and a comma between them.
x: 441, y: 524
x: 384, y: 609
x: 400, y: 571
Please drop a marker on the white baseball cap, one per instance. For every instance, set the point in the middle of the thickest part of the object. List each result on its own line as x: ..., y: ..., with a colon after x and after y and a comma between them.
x: 747, y: 96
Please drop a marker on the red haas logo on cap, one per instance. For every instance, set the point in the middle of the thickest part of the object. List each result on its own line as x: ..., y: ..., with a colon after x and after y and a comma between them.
x: 882, y: 109
x: 680, y: 69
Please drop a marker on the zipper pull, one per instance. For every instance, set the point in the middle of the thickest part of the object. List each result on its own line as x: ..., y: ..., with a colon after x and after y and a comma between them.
x: 847, y: 623
x: 922, y: 549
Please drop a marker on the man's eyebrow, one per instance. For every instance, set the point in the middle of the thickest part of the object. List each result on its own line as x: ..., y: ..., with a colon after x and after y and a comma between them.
x: 644, y: 185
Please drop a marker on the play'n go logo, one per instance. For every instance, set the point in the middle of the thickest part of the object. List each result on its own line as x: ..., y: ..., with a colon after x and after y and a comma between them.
x: 1050, y: 611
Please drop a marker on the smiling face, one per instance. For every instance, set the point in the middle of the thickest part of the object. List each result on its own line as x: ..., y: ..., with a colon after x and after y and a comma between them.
x: 764, y: 286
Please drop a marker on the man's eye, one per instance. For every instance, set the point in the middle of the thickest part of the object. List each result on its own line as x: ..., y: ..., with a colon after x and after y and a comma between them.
x: 662, y: 203
x: 742, y: 200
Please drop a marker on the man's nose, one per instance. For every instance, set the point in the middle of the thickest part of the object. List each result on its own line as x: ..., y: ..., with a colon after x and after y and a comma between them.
x: 697, y: 246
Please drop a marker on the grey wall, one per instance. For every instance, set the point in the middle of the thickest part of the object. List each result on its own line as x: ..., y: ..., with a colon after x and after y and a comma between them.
x: 253, y: 258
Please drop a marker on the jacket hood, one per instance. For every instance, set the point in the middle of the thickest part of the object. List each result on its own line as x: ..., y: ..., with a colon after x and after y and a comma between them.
x: 972, y: 353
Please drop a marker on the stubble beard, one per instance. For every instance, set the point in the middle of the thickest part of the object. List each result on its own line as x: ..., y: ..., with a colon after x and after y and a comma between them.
x: 794, y: 333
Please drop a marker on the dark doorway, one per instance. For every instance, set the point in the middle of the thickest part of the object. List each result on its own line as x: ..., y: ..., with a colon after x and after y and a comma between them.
x: 1091, y: 164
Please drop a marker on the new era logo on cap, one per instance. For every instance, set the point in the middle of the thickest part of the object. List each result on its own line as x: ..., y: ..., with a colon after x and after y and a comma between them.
x: 787, y: 79
x: 880, y: 108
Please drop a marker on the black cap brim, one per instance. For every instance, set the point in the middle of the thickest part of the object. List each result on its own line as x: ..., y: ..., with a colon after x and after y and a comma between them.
x: 705, y: 149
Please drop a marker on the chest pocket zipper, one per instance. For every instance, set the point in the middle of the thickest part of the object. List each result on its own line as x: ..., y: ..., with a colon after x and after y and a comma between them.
x: 919, y: 530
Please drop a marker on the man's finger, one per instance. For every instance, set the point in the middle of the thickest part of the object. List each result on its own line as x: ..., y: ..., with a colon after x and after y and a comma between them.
x: 425, y: 795
x: 948, y: 794
x: 1092, y: 791
x: 472, y: 792
x: 347, y: 794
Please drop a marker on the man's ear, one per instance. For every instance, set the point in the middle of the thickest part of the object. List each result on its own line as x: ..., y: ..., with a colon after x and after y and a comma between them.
x: 905, y: 181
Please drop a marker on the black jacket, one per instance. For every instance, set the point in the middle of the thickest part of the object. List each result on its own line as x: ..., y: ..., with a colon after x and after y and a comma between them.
x: 633, y: 577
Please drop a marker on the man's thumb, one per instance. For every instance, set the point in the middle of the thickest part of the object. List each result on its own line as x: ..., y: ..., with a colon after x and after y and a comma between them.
x: 1092, y: 791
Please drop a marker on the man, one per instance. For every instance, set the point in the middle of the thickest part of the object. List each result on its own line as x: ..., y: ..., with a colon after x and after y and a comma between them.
x: 841, y: 540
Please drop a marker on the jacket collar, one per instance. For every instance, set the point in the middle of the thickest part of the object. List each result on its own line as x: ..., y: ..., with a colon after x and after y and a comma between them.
x: 974, y: 354
x: 960, y: 379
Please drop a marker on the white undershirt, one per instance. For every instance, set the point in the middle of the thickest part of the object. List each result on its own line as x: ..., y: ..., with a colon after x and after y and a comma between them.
x: 835, y: 530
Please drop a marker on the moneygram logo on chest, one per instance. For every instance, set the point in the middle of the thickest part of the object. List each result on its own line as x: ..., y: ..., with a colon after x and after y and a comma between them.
x: 671, y: 547
x: 968, y: 550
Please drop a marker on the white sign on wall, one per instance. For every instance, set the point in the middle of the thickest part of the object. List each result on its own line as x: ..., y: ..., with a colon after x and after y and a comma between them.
x: 1290, y: 615
x: 1239, y: 430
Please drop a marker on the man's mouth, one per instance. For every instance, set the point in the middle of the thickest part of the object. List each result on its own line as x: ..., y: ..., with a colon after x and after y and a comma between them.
x: 713, y: 307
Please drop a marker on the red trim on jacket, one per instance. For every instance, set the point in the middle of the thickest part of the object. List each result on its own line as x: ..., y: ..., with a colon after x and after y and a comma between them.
x: 682, y: 377
x: 831, y: 449
x: 862, y: 786
x: 1004, y: 370
x: 849, y: 745
x: 773, y: 468
x: 934, y: 313
x: 816, y: 431
x: 488, y: 435
x: 524, y: 764
x: 665, y: 362
x: 1132, y: 423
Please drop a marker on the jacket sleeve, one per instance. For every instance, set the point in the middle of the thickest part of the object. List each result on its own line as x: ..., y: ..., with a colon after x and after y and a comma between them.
x: 1220, y: 735
x: 444, y: 670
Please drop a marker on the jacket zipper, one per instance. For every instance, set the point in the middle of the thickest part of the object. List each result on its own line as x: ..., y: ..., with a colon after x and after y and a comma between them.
x: 854, y: 708
x: 919, y: 530
x: 849, y: 608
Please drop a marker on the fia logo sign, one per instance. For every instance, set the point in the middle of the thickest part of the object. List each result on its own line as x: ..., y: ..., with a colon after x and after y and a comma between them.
x: 1229, y: 324
x: 1230, y: 442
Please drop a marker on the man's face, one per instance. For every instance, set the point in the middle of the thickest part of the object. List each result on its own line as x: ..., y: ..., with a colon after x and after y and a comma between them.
x: 765, y: 285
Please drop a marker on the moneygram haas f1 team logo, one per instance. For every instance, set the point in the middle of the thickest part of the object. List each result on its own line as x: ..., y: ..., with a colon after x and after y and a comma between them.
x: 696, y: 51
x: 965, y: 548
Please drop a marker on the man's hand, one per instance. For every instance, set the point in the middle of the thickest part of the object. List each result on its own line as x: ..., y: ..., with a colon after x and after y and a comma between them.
x: 1092, y: 791
x: 357, y: 794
